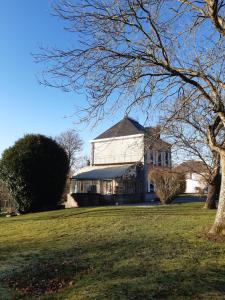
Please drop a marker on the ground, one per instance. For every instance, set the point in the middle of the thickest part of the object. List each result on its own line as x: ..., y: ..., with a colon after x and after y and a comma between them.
x: 157, y: 252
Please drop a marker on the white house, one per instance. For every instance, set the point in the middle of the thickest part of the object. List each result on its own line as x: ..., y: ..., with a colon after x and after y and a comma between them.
x: 195, y: 174
x: 121, y: 158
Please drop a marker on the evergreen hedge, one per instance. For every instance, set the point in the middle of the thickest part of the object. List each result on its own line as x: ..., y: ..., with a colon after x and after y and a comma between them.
x: 35, y: 171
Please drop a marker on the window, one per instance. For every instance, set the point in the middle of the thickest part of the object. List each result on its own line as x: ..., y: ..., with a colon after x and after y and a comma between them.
x: 150, y: 187
x: 159, y: 159
x: 81, y: 186
x: 107, y: 187
x: 167, y: 159
x: 170, y: 159
x: 93, y: 189
x: 129, y: 187
x: 151, y: 157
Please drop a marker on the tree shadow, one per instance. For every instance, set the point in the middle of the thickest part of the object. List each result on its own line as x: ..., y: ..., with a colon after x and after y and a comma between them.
x: 124, y: 268
x: 126, y: 211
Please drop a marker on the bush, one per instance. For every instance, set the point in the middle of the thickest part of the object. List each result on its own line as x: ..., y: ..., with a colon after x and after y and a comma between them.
x: 167, y: 184
x: 35, y: 171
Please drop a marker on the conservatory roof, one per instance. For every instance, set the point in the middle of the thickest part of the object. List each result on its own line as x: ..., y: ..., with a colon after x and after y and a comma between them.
x: 100, y: 172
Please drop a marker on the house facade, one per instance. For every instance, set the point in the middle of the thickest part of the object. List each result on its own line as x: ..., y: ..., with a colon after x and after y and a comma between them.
x: 196, y: 173
x: 120, y: 161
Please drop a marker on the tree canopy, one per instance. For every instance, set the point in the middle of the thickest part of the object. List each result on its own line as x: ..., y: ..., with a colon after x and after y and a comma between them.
x: 144, y: 53
x: 134, y: 49
x: 71, y: 142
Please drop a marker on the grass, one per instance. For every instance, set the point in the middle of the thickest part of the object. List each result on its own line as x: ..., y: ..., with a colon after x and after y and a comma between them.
x: 111, y: 253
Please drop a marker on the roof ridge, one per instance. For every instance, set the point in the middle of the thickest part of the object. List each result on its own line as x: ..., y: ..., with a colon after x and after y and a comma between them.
x: 125, y: 127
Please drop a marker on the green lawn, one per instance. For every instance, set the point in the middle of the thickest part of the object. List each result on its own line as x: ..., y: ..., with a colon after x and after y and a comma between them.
x: 111, y: 253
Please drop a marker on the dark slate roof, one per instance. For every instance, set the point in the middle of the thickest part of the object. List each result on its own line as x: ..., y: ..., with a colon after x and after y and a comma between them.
x: 193, y: 166
x: 103, y: 173
x: 126, y: 126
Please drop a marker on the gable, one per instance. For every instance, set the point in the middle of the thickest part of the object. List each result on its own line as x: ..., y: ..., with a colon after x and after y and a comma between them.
x: 126, y: 149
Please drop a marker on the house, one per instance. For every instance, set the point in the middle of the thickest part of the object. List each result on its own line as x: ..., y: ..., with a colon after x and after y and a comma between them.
x: 120, y: 160
x: 195, y: 173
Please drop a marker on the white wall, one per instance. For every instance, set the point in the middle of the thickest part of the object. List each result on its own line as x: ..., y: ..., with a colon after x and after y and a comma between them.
x: 70, y: 202
x: 118, y: 150
x: 196, y: 181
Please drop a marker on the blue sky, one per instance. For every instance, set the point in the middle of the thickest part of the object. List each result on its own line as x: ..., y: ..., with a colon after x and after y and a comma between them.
x: 25, y: 105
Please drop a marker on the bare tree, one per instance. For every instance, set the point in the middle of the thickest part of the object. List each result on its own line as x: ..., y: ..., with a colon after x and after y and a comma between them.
x: 186, y: 124
x: 72, y: 144
x: 145, y: 48
x: 167, y: 184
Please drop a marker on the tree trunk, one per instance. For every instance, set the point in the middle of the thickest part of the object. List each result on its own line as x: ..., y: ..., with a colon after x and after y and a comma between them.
x: 213, y: 183
x: 212, y: 196
x: 219, y: 223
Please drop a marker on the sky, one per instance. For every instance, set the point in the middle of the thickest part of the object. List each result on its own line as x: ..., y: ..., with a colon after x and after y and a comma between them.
x: 25, y: 105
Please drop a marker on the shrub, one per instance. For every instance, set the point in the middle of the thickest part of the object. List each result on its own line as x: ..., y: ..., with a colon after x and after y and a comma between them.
x: 167, y: 184
x: 35, y: 171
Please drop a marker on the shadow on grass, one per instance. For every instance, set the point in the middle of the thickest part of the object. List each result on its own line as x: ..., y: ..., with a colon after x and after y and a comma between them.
x: 197, y: 283
x: 176, y: 210
x: 156, y: 268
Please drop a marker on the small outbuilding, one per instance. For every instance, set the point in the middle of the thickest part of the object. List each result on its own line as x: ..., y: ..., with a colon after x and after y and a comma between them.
x: 195, y: 173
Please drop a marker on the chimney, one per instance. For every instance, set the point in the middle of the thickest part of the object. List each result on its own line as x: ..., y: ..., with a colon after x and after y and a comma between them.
x: 153, y: 131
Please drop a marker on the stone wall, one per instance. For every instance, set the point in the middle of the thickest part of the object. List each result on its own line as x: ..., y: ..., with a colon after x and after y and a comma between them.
x: 82, y: 200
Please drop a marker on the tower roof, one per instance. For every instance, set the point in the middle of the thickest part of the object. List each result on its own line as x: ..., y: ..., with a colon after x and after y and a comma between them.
x: 126, y: 126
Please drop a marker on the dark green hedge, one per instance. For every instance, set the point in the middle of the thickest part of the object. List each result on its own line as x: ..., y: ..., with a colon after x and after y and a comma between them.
x: 35, y: 171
